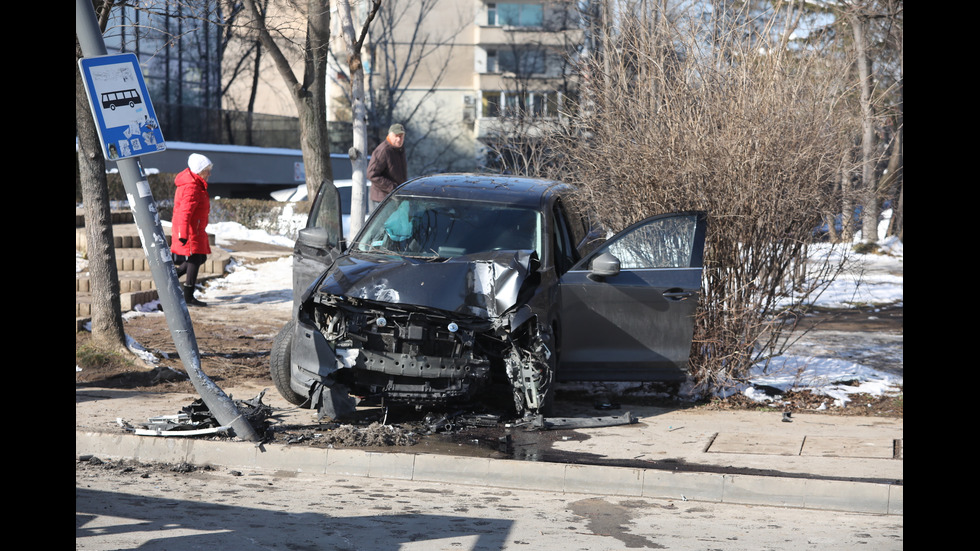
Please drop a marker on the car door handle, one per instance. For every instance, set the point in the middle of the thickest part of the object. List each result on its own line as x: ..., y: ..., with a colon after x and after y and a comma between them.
x: 677, y: 294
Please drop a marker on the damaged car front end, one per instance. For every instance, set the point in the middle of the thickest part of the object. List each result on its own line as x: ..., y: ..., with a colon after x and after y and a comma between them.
x: 384, y: 335
x: 426, y: 310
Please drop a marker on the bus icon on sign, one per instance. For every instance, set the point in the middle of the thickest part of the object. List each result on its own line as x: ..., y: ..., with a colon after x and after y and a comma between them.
x: 122, y: 97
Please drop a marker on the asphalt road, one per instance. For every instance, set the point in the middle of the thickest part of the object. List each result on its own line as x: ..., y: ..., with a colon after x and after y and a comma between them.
x: 152, y: 509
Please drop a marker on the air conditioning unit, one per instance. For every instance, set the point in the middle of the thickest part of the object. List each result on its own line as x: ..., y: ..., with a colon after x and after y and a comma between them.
x: 469, y: 108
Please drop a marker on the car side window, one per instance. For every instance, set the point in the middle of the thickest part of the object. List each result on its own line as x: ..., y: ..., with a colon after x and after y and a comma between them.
x: 661, y: 243
x: 324, y: 221
x: 565, y: 252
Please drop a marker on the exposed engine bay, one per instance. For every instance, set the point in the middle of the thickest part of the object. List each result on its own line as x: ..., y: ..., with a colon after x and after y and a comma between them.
x: 368, y: 341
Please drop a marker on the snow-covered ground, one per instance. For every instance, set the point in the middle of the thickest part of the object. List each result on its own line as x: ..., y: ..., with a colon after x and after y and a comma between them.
x: 874, y: 280
x: 870, y: 280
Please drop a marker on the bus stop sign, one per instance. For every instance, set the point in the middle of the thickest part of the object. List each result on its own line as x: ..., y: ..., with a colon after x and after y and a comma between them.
x: 121, y: 106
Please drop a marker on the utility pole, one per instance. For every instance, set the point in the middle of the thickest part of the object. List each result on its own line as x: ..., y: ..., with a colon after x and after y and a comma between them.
x: 159, y: 257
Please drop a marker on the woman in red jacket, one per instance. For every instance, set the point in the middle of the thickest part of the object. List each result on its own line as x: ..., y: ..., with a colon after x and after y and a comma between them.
x: 189, y: 241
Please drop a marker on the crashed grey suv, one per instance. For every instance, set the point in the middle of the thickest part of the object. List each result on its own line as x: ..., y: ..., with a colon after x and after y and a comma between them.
x: 458, y: 282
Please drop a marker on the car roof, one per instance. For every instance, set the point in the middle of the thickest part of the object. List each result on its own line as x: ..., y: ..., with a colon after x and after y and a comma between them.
x: 510, y: 190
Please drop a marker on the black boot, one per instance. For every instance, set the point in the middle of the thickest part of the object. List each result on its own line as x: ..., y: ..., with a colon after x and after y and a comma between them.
x: 189, y: 297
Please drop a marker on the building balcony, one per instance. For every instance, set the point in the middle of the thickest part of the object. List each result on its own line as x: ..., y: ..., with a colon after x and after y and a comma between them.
x: 497, y: 35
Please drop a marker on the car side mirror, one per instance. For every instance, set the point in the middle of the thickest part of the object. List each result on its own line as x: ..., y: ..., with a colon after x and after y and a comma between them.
x: 314, y: 238
x: 605, y: 265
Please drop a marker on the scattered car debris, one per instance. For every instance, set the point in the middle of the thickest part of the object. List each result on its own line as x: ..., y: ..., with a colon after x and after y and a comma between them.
x: 197, y: 420
x: 183, y: 467
x: 179, y: 431
x: 553, y: 423
x: 162, y: 374
x: 374, y: 435
x: 459, y: 421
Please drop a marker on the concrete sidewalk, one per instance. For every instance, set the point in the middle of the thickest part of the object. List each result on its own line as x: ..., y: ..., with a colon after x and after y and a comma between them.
x: 816, y: 461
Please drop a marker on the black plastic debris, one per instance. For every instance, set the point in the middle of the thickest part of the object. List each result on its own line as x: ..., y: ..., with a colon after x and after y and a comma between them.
x: 197, y: 419
x: 458, y: 421
x: 257, y: 413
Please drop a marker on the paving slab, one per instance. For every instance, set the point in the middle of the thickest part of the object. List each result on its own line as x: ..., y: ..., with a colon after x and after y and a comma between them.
x: 818, y: 461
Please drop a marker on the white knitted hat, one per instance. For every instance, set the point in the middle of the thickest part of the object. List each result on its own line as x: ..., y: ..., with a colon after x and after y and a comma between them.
x: 197, y: 163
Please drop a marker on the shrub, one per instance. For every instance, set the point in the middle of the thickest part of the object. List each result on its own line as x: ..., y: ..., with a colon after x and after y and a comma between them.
x: 751, y: 139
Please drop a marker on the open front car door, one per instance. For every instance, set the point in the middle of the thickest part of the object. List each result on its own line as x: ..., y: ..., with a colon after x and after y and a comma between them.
x: 319, y: 243
x: 628, y: 307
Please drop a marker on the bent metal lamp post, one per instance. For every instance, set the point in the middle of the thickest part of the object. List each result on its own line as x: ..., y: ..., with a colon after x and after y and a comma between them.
x: 158, y: 254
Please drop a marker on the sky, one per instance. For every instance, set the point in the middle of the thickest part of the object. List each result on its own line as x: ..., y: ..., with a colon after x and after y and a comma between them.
x: 869, y: 280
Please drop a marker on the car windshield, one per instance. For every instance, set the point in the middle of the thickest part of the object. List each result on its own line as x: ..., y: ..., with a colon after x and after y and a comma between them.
x: 444, y: 228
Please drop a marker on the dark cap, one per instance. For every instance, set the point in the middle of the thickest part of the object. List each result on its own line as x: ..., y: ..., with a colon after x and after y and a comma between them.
x: 396, y: 129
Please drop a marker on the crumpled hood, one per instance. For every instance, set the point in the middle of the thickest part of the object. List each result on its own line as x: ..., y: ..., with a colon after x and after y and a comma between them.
x: 483, y: 285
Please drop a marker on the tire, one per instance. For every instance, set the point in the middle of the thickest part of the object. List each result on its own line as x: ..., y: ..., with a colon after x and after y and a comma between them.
x: 279, y: 365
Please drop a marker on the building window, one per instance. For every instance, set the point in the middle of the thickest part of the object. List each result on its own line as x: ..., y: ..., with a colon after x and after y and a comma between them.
x: 523, y: 61
x: 514, y: 104
x: 491, y: 104
x: 536, y: 104
x: 492, y: 66
x: 545, y: 105
x: 515, y: 15
x: 551, y: 103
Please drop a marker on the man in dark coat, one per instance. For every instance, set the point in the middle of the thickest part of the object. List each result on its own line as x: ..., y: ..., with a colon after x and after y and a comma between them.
x: 388, y: 167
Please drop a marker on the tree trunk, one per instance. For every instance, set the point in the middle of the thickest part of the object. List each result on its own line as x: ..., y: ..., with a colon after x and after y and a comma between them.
x: 311, y: 99
x: 107, y: 324
x: 847, y: 206
x: 896, y: 226
x: 871, y: 207
x: 310, y: 95
x: 892, y: 177
x: 249, y: 114
x: 358, y: 153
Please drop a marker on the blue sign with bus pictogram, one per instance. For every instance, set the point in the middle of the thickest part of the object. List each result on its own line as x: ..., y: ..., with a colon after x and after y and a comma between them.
x: 121, y: 106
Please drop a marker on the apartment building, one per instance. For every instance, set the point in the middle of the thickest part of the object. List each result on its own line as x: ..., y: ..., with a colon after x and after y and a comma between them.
x: 462, y: 74
x: 459, y: 74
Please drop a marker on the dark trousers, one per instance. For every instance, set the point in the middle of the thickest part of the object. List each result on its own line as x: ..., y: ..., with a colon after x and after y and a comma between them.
x: 189, y: 265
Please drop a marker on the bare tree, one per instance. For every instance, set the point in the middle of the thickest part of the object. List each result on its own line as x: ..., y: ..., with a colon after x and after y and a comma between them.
x: 358, y: 152
x: 309, y: 93
x: 688, y: 112
x: 867, y: 159
x: 107, y: 324
x: 410, y: 61
x: 870, y: 34
x: 246, y: 64
x: 541, y: 85
x: 876, y: 27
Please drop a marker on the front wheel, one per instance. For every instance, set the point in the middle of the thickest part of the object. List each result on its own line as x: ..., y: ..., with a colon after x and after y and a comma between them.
x: 279, y: 364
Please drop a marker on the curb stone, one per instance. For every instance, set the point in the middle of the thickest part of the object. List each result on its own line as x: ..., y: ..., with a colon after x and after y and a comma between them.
x: 859, y: 497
